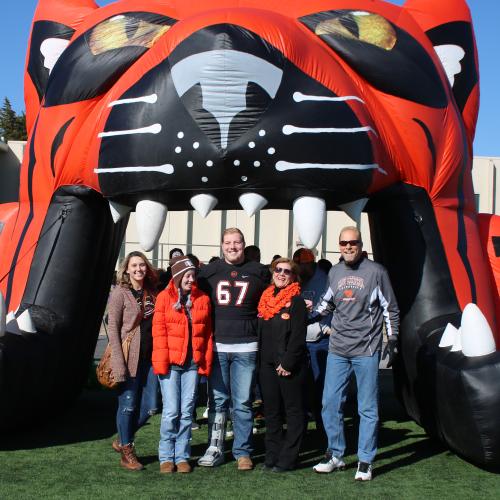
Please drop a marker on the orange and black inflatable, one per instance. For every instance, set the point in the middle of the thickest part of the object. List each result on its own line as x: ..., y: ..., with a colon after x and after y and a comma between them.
x: 319, y: 105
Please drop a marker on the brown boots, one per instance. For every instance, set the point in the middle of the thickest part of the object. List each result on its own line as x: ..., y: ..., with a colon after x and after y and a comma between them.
x: 184, y: 467
x: 129, y: 458
x: 169, y: 467
x: 116, y: 446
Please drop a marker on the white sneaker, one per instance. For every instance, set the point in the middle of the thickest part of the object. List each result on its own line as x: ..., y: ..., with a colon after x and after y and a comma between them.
x: 364, y: 472
x: 212, y: 457
x: 329, y: 464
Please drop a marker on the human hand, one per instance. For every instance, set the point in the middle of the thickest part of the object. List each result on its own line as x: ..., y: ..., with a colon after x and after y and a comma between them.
x: 309, y: 305
x: 282, y: 372
x: 391, y: 350
x: 327, y: 330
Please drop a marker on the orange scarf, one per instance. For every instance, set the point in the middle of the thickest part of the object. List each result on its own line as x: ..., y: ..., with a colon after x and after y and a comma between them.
x: 270, y: 304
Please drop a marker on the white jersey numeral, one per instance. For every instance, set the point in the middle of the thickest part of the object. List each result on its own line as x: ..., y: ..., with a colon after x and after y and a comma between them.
x: 243, y: 286
x: 224, y: 294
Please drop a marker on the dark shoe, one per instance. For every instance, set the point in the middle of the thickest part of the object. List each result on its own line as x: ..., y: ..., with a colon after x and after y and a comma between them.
x: 167, y: 467
x: 129, y: 458
x: 184, y: 468
x: 116, y: 446
x: 245, y: 463
x: 278, y: 469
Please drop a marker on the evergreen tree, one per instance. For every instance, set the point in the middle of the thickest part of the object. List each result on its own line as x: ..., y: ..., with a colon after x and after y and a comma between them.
x: 21, y: 132
x: 12, y: 126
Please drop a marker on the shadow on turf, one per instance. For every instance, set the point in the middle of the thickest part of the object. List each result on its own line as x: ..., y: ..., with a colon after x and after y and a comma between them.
x: 92, y: 418
x: 314, y: 442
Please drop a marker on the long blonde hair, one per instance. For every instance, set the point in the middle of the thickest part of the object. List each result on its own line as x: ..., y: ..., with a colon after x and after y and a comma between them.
x: 150, y: 280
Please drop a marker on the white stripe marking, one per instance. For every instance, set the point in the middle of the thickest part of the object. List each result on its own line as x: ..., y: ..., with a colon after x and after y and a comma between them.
x: 385, y: 308
x: 292, y: 129
x: 150, y: 99
x: 285, y: 165
x: 162, y: 169
x: 299, y: 97
x: 152, y: 129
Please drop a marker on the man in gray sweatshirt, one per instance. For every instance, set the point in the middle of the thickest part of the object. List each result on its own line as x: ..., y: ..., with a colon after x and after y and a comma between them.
x: 362, y: 301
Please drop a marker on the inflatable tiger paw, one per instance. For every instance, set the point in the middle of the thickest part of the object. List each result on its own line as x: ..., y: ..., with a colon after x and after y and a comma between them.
x: 315, y: 106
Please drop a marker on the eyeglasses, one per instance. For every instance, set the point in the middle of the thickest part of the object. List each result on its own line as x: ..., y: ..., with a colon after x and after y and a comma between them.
x: 286, y: 272
x: 353, y: 243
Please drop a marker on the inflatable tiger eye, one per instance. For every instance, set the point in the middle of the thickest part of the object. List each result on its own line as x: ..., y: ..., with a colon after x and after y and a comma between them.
x: 321, y: 105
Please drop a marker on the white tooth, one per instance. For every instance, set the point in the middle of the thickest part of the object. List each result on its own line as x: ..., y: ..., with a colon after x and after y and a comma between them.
x: 309, y: 216
x: 449, y: 335
x: 3, y: 321
x: 118, y: 211
x: 203, y: 203
x: 150, y: 219
x: 252, y: 202
x: 11, y: 325
x: 354, y: 208
x: 477, y: 337
x: 457, y: 345
x: 25, y: 322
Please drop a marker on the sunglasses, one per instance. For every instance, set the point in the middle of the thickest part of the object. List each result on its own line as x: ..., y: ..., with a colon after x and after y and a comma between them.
x: 353, y: 243
x: 286, y: 272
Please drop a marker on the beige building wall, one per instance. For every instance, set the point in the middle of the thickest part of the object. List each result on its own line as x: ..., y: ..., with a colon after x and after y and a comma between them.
x: 17, y: 149
x: 11, y: 155
x: 486, y: 179
x: 271, y: 230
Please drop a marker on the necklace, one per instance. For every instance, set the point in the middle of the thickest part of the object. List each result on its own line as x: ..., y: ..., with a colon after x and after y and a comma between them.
x: 271, y: 304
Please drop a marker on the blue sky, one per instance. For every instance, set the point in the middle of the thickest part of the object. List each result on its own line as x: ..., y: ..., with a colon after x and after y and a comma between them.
x: 17, y: 16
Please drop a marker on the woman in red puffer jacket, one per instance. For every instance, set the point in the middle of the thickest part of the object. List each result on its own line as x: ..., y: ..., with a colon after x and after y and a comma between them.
x: 182, y: 351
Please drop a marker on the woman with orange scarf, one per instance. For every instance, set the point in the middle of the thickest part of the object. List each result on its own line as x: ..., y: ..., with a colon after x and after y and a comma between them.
x: 283, y: 365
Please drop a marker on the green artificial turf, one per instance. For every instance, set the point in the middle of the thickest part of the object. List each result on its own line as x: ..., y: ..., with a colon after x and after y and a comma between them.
x: 71, y: 457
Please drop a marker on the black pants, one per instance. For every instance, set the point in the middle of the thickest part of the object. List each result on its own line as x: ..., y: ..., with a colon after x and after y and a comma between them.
x: 283, y: 397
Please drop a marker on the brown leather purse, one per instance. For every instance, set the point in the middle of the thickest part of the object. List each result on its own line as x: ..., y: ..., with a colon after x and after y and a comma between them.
x: 104, y: 371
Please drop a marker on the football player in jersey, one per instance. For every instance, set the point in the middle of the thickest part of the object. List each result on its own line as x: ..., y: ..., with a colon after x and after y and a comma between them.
x: 235, y: 286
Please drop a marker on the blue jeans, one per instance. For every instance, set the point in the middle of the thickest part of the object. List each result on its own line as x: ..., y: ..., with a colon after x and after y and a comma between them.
x: 318, y: 354
x: 338, y: 373
x: 137, y: 401
x: 178, y: 390
x: 231, y: 381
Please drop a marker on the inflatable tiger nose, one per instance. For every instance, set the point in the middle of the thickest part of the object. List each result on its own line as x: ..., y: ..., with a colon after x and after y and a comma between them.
x: 310, y: 106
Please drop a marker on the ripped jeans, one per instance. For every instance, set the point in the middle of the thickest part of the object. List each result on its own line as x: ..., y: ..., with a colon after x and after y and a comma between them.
x: 137, y: 401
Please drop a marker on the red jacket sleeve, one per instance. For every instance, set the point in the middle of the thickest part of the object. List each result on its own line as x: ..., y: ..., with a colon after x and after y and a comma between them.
x: 160, y: 358
x: 205, y: 368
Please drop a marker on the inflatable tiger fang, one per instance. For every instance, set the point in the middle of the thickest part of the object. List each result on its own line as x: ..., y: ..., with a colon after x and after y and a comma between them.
x: 311, y: 106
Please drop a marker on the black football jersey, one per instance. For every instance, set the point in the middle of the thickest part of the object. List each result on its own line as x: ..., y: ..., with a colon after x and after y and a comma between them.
x: 235, y: 292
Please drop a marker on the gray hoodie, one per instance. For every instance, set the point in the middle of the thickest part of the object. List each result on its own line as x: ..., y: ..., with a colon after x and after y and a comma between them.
x: 362, y: 300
